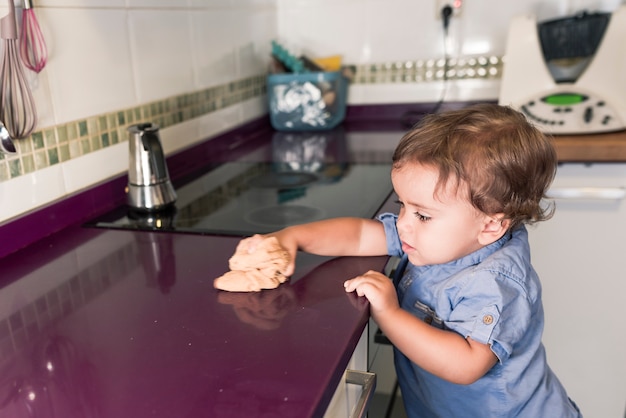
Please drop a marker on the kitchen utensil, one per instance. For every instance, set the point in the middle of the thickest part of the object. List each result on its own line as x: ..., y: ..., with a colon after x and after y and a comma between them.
x: 567, y: 74
x: 17, y: 106
x: 6, y: 143
x: 32, y: 43
x: 149, y: 187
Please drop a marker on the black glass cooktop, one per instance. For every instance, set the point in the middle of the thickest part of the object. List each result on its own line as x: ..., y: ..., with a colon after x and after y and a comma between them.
x: 242, y: 198
x: 312, y: 177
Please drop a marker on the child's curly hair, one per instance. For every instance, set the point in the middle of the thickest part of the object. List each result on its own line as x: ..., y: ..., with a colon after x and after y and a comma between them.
x: 505, y: 163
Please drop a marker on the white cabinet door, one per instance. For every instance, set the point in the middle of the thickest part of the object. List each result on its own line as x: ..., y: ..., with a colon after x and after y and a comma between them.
x: 357, y: 386
x: 580, y: 255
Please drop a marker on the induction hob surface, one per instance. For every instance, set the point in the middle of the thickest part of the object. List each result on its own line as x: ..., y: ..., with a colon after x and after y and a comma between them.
x: 306, y: 180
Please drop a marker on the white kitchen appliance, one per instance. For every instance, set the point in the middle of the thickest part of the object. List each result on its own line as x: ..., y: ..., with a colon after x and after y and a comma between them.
x: 568, y: 75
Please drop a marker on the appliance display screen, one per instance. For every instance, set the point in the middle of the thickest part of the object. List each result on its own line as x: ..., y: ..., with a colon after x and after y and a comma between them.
x: 564, y: 99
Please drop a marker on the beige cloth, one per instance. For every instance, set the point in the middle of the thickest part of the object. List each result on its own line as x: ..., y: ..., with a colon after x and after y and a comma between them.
x: 251, y: 272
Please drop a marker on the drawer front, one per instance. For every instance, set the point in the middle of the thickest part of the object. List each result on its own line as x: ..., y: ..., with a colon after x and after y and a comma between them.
x: 356, y: 387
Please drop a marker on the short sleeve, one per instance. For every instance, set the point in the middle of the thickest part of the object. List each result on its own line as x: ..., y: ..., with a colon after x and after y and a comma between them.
x: 485, y: 323
x: 394, y: 245
x: 493, y: 309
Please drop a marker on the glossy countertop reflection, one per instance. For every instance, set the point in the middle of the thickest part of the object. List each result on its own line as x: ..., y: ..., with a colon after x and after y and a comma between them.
x: 127, y: 324
x: 119, y: 323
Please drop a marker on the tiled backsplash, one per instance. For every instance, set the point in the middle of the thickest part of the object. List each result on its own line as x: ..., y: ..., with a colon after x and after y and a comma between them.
x: 52, y: 145
x: 430, y: 70
x: 60, y: 143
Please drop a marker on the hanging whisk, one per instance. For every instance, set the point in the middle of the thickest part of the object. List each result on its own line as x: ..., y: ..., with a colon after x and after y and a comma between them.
x: 32, y: 44
x: 17, y: 107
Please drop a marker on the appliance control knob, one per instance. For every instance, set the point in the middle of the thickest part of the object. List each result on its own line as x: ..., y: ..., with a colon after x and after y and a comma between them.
x: 588, y: 114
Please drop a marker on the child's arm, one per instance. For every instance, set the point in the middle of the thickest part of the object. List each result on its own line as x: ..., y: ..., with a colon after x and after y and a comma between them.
x: 443, y: 353
x: 332, y: 237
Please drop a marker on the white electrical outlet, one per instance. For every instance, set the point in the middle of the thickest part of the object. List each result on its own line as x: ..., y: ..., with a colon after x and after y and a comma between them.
x: 457, y: 6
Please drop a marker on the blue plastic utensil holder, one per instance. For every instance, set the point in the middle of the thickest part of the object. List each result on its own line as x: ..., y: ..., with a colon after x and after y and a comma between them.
x: 307, y: 102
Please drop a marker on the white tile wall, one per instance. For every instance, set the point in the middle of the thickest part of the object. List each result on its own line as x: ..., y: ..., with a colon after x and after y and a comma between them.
x: 108, y: 55
x: 215, y: 60
x: 259, y: 23
x: 162, y: 53
x: 109, y: 4
x: 157, y: 3
x: 378, y: 31
x: 89, y: 67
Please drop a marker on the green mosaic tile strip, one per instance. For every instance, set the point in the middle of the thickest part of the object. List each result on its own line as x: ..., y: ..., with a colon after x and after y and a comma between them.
x: 432, y: 70
x: 60, y: 143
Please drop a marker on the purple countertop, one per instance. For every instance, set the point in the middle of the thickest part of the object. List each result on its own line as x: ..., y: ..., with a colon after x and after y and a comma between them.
x: 112, y: 323
x: 108, y: 323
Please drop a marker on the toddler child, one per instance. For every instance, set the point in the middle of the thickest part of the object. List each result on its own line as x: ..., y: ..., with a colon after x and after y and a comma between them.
x: 464, y: 314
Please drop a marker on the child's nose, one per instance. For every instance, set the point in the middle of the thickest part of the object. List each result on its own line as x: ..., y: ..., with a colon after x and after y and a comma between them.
x: 401, y: 224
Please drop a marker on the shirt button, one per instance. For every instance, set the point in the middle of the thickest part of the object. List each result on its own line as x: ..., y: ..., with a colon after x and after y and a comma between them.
x: 487, y: 319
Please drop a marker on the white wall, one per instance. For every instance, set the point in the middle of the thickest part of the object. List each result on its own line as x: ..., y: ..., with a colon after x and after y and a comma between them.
x: 373, y: 31
x: 390, y: 31
x: 106, y: 55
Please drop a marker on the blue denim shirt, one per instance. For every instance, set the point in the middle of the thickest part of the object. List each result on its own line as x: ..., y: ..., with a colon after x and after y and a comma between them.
x: 493, y: 296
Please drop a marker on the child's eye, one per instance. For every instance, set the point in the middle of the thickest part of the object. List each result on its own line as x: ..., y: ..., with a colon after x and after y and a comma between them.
x: 422, y: 218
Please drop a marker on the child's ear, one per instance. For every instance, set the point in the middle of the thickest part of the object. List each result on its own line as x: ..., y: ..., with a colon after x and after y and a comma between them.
x: 494, y: 227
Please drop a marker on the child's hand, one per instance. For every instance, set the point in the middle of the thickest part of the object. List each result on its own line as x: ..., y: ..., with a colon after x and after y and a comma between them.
x: 250, y: 244
x: 377, y: 288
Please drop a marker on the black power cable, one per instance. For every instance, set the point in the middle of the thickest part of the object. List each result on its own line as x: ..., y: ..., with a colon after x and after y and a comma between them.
x: 446, y: 14
x: 411, y: 117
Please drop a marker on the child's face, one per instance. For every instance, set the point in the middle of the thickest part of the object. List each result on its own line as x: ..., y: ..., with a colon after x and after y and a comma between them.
x: 435, y: 228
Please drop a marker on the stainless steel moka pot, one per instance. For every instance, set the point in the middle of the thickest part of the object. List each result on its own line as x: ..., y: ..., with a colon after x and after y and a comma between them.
x: 149, y: 185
